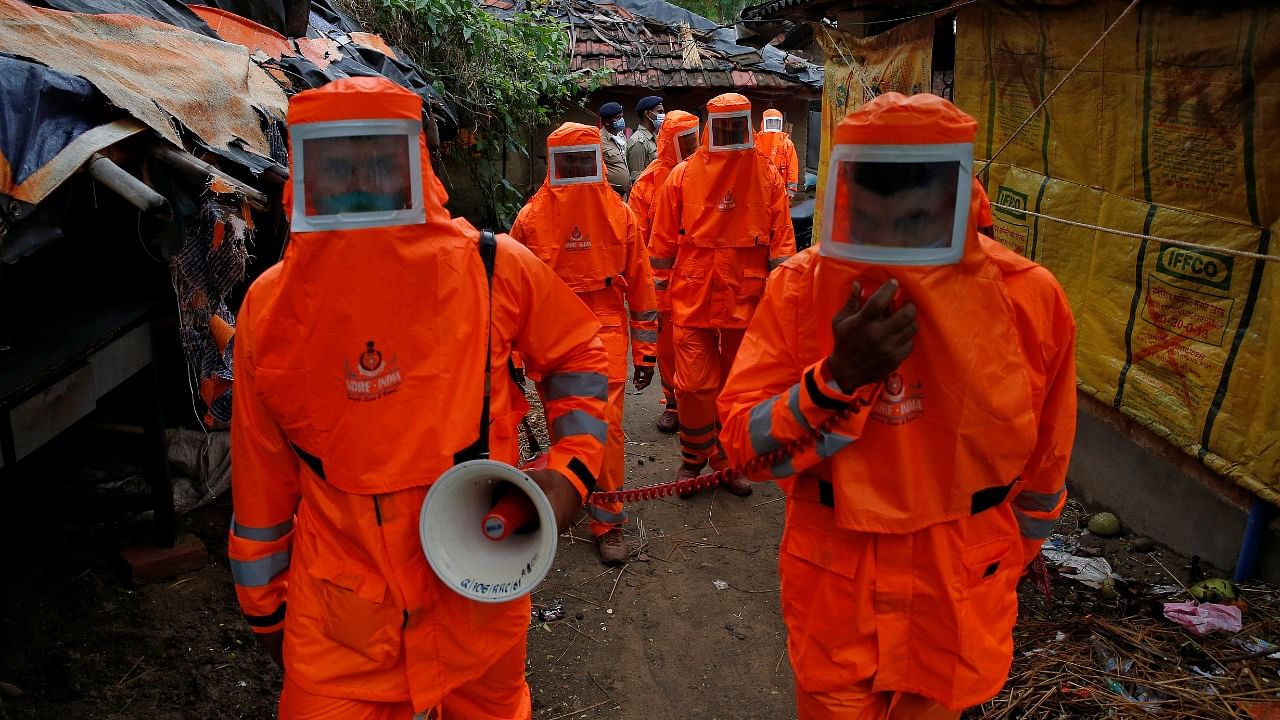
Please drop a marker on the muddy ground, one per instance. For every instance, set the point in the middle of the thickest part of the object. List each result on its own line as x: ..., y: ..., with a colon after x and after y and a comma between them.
x: 657, y: 638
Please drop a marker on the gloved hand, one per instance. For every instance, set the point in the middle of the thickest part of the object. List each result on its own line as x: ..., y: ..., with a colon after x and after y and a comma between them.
x: 643, y: 376
x: 870, y: 340
x: 563, y: 496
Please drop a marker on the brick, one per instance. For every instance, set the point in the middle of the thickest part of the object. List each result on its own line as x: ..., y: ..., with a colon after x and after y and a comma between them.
x: 148, y: 563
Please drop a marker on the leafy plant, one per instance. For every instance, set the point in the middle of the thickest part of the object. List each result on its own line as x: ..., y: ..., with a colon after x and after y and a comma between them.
x: 506, y: 76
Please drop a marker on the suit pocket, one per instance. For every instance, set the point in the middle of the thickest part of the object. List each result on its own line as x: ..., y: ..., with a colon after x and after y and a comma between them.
x: 357, y: 612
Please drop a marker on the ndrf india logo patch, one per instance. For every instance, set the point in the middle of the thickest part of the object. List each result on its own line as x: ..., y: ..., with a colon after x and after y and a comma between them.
x: 373, y: 376
x: 898, y: 404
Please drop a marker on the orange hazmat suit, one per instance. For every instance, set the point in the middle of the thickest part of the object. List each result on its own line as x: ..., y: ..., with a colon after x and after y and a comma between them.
x: 910, y: 520
x: 587, y: 235
x: 774, y: 143
x: 360, y: 376
x: 679, y: 130
x: 721, y: 224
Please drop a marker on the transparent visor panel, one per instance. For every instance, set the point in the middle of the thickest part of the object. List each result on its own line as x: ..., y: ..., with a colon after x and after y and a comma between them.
x: 360, y: 174
x: 891, y: 212
x: 687, y: 143
x: 773, y: 124
x: 730, y: 131
x: 575, y: 165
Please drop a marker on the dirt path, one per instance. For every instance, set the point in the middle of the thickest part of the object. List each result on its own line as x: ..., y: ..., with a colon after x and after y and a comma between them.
x: 657, y: 639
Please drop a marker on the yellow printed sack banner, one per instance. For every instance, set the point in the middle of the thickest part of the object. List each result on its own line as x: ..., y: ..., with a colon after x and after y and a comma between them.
x: 858, y: 69
x: 1166, y: 132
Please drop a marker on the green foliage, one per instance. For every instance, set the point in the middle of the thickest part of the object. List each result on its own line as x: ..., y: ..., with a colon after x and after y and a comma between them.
x: 720, y: 11
x: 506, y: 77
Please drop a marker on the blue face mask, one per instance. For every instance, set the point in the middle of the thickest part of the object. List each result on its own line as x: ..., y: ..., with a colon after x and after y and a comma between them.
x: 355, y: 202
x: 618, y: 124
x: 657, y: 120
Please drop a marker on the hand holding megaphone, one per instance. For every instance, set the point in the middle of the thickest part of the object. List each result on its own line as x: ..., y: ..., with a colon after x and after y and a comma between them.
x: 486, y: 527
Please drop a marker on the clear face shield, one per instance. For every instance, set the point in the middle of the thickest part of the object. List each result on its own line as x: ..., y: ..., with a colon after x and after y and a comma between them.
x: 349, y: 175
x: 897, y: 204
x: 730, y: 131
x: 773, y: 124
x: 575, y: 165
x: 686, y: 144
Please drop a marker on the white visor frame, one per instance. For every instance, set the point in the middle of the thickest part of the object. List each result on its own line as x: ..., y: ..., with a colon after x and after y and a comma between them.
x: 681, y: 157
x: 772, y: 124
x: 959, y: 153
x: 747, y: 144
x: 557, y: 150
x: 415, y: 214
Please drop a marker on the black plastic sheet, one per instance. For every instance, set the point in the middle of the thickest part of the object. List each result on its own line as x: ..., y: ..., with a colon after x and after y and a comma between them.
x: 41, y: 112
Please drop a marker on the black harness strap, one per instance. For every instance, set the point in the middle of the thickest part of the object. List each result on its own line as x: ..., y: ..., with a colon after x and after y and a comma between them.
x: 479, y: 450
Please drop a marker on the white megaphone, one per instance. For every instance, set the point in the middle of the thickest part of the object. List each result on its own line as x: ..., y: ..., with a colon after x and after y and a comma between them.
x: 470, y: 531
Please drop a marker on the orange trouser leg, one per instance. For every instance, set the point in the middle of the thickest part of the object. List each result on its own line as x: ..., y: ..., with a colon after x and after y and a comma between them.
x: 859, y: 703
x: 667, y: 359
x: 703, y: 359
x: 606, y: 516
x: 298, y: 704
x: 500, y: 694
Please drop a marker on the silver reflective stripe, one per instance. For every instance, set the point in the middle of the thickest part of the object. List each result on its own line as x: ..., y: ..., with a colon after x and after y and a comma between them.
x: 775, y: 262
x: 577, y: 384
x: 834, y: 387
x: 1037, y: 501
x: 660, y: 284
x: 257, y: 573
x: 793, y: 402
x: 760, y: 428
x: 697, y: 431
x: 1034, y: 528
x: 644, y: 335
x: 605, y: 516
x: 578, y: 422
x: 832, y: 443
x: 702, y: 445
x: 645, y: 316
x: 783, y: 469
x: 658, y: 263
x: 266, y: 534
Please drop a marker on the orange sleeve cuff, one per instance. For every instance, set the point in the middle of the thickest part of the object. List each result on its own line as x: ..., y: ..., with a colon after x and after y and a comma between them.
x: 576, y: 472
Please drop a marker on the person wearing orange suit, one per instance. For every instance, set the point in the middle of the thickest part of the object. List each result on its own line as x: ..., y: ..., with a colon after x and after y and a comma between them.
x: 919, y: 379
x: 362, y: 367
x: 774, y: 143
x: 580, y: 228
x: 677, y: 140
x: 721, y: 223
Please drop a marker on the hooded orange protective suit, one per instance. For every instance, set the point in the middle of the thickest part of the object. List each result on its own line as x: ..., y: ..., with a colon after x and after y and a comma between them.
x: 910, y: 520
x: 359, y: 380
x: 592, y: 240
x: 781, y: 151
x: 720, y: 225
x: 641, y: 201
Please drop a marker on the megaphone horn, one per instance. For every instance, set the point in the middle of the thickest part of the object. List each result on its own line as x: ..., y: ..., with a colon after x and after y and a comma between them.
x: 469, y: 530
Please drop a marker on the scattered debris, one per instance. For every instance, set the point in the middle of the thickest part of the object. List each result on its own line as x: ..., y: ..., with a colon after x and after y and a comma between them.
x: 1202, y: 619
x: 1104, y: 524
x: 1090, y: 571
x: 1213, y: 590
x: 550, y: 612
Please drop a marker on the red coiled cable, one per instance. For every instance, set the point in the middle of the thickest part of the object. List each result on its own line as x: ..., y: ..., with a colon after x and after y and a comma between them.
x: 716, y: 477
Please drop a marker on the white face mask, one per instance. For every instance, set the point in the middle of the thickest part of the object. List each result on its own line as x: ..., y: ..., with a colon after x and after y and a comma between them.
x: 657, y: 120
